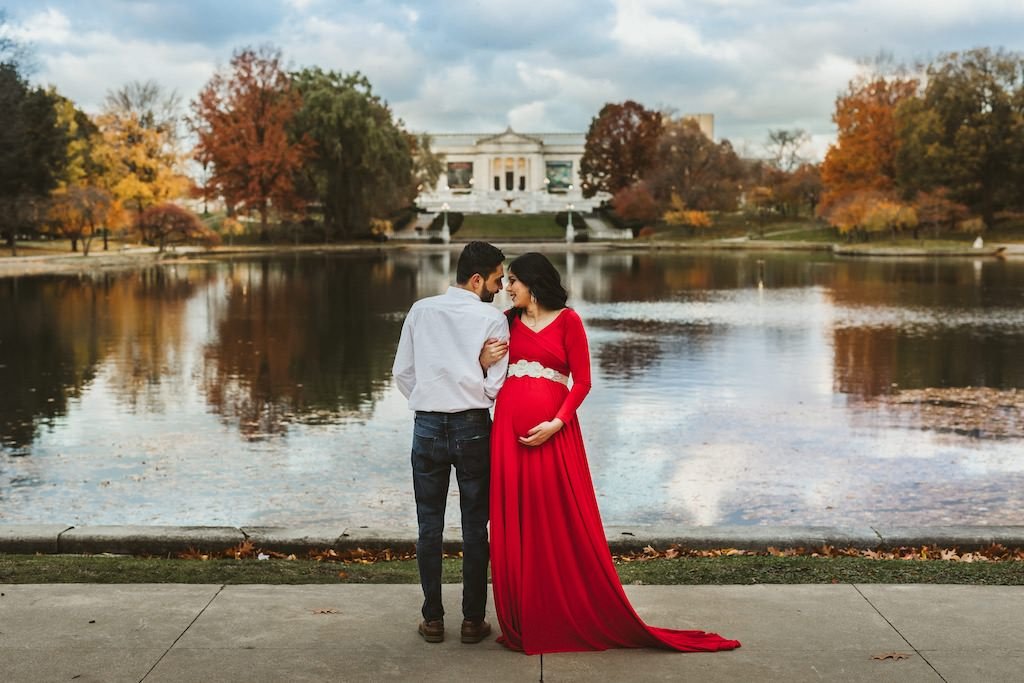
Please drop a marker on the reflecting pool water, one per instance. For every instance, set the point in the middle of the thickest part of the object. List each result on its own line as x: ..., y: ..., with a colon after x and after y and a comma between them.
x: 729, y: 388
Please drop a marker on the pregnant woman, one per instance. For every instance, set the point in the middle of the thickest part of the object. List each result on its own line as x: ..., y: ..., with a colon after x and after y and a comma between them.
x: 555, y: 587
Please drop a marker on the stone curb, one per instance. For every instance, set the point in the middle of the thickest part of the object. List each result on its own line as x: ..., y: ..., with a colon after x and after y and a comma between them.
x: 161, y: 540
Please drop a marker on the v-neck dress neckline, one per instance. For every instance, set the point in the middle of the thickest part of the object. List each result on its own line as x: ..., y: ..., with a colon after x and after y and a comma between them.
x: 552, y: 322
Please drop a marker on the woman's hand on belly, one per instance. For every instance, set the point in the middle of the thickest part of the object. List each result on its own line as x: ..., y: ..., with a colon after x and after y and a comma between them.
x: 542, y: 432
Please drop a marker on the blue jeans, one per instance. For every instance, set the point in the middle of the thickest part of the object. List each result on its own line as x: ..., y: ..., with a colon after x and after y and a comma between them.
x: 441, y: 440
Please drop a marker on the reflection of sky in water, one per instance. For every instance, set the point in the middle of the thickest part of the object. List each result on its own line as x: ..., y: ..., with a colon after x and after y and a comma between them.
x: 709, y: 406
x: 743, y: 426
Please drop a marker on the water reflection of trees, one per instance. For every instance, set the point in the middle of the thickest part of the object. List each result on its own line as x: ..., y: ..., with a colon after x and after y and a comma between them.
x: 869, y: 361
x: 303, y: 340
x: 628, y: 358
x: 941, y: 283
x: 657, y: 277
x: 147, y: 336
x: 44, y: 358
x: 55, y: 333
x: 872, y: 360
x: 645, y: 343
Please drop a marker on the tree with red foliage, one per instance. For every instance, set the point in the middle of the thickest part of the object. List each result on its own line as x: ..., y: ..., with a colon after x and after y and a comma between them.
x: 620, y: 147
x: 635, y: 206
x: 798, y: 188
x: 937, y: 211
x: 705, y: 174
x: 242, y: 120
x: 164, y: 223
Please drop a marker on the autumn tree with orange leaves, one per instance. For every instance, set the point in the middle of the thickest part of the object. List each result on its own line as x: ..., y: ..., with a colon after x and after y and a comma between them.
x: 863, y: 159
x: 81, y: 212
x: 137, y: 158
x: 242, y: 119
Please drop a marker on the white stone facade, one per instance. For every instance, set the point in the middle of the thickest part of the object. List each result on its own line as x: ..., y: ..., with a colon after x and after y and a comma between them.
x: 509, y: 173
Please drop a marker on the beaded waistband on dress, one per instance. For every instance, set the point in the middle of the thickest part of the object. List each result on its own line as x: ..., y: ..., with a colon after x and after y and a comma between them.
x: 532, y: 368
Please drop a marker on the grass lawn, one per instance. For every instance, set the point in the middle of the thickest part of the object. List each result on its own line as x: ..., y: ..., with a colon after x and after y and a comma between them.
x: 677, y: 571
x: 42, y: 248
x: 799, y: 233
x: 516, y: 226
x: 739, y: 224
x: 947, y: 243
x: 62, y: 247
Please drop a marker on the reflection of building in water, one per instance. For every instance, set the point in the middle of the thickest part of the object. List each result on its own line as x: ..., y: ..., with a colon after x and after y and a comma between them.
x: 514, y: 172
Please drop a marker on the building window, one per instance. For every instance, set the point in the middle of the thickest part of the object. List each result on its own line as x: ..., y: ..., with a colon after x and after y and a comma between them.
x: 460, y: 175
x: 497, y: 183
x: 522, y: 183
x: 558, y: 175
x: 510, y: 180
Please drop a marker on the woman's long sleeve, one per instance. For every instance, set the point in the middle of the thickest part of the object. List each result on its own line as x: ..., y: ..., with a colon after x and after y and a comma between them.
x: 578, y: 354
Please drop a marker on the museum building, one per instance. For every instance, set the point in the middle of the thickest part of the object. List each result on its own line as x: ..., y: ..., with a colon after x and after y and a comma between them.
x: 514, y: 172
x: 508, y: 173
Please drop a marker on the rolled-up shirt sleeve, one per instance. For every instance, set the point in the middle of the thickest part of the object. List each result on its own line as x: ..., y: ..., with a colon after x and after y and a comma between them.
x: 496, y: 374
x: 403, y: 369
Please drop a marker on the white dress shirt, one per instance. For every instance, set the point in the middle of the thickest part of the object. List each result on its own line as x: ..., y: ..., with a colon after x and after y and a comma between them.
x: 437, y: 365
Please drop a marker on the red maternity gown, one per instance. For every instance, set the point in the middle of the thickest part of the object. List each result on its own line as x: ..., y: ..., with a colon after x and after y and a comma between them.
x: 555, y: 587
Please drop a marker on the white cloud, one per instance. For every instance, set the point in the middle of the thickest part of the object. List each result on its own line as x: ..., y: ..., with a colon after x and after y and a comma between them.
x: 937, y: 13
x: 640, y: 31
x: 411, y: 14
x: 381, y: 52
x: 560, y: 84
x: 49, y: 27
x: 86, y: 64
x: 531, y: 116
x: 450, y: 68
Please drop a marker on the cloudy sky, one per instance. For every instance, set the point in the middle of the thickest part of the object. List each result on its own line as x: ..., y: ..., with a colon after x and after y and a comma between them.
x: 460, y: 66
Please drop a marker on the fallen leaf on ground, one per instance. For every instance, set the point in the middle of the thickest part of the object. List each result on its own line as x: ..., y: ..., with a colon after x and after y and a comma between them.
x: 325, y: 611
x: 893, y: 655
x: 193, y: 554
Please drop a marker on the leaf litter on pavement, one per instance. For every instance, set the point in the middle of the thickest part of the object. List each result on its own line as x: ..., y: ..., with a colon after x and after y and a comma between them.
x: 994, y: 552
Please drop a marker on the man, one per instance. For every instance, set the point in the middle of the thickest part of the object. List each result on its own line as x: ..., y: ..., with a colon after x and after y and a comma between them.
x: 438, y: 367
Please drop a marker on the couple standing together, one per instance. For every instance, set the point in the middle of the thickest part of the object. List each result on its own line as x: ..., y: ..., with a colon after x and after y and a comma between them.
x: 555, y: 587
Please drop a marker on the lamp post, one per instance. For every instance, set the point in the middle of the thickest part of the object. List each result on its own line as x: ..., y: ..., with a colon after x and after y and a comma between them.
x: 570, y: 231
x: 446, y: 235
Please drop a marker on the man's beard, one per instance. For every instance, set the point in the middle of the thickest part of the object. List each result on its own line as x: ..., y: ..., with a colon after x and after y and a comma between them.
x: 487, y: 296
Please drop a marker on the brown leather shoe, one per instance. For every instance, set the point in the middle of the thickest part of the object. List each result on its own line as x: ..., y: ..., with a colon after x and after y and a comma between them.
x: 475, y: 631
x: 432, y: 631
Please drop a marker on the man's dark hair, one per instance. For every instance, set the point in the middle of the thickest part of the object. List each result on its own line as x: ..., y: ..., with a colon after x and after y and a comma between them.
x: 478, y: 258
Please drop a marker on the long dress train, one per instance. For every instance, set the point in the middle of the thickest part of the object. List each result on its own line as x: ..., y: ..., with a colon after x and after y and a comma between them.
x: 555, y: 587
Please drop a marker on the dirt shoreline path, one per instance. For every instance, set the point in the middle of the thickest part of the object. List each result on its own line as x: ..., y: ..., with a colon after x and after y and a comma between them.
x: 142, y: 257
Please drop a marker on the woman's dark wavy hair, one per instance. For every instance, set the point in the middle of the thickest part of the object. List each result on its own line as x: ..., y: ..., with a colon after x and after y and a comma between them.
x: 536, y: 272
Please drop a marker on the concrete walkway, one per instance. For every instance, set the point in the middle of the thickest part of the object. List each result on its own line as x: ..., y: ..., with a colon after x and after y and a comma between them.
x: 76, y: 632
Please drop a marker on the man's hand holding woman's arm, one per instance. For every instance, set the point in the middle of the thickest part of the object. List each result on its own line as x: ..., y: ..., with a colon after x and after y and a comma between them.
x: 493, y: 350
